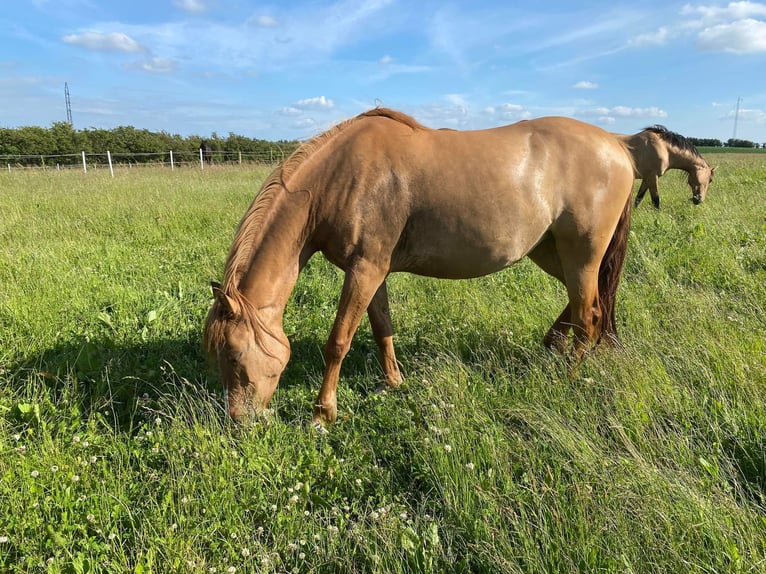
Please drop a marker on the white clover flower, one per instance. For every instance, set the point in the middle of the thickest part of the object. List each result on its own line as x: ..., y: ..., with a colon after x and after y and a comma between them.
x: 448, y: 448
x: 301, y: 556
x: 185, y: 500
x: 90, y: 518
x: 234, y: 535
x: 112, y: 536
x: 34, y: 474
x: 292, y: 546
x: 293, y: 499
x: 21, y: 449
x: 358, y: 482
x: 93, y: 459
x: 3, y: 539
x: 259, y: 531
x: 231, y: 570
x: 469, y: 466
x: 76, y: 438
x: 245, y: 552
x: 54, y: 468
x: 75, y: 478
x: 17, y: 437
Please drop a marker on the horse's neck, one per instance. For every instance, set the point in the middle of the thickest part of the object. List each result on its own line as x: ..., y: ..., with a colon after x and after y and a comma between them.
x: 683, y: 159
x: 277, y: 257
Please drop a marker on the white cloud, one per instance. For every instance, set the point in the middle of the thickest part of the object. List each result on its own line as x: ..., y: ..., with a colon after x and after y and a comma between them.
x: 657, y: 38
x: 508, y: 111
x: 740, y: 37
x: 290, y: 111
x: 320, y: 102
x: 733, y: 11
x: 158, y: 65
x: 386, y: 60
x: 748, y: 115
x: 585, y: 85
x: 194, y: 6
x: 608, y: 115
x: 104, y: 42
x: 267, y: 22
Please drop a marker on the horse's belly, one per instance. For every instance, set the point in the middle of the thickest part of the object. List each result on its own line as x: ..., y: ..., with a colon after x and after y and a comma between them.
x: 460, y: 253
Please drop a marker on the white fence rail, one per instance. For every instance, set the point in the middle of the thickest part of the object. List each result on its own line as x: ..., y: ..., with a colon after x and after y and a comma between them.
x: 170, y: 159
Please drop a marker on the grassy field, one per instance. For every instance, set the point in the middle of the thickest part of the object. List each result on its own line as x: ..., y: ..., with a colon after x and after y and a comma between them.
x: 116, y: 456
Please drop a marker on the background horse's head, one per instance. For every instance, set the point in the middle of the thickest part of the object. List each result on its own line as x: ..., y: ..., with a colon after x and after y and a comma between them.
x: 699, y: 180
x: 250, y: 357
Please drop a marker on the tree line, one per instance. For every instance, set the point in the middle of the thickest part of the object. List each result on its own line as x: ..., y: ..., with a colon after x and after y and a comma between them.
x: 731, y: 142
x: 26, y: 145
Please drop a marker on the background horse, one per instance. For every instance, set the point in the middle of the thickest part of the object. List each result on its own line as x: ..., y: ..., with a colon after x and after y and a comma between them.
x: 381, y: 193
x: 207, y: 152
x: 655, y: 150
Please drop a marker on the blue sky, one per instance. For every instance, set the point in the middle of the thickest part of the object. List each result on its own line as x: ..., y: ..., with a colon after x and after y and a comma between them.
x: 291, y: 69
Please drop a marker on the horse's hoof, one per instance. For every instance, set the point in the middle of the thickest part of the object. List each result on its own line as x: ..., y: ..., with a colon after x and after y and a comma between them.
x: 319, y: 428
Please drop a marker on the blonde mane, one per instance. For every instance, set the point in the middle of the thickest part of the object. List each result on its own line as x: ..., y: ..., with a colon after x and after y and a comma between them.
x: 253, y: 225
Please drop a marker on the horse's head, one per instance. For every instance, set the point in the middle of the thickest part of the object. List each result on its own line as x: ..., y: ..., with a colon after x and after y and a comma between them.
x: 699, y: 180
x: 250, y: 357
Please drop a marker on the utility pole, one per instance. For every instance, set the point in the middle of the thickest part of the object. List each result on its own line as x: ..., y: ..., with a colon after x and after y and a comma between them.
x: 69, y: 105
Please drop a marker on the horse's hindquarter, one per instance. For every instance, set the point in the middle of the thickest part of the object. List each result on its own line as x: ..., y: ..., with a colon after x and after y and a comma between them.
x: 482, y: 200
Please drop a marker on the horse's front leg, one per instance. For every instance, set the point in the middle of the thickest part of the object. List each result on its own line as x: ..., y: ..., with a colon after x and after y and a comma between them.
x: 556, y: 337
x: 361, y: 282
x: 380, y: 321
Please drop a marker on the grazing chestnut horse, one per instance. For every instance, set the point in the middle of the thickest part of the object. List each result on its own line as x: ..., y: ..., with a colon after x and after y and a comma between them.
x: 381, y: 193
x: 655, y: 150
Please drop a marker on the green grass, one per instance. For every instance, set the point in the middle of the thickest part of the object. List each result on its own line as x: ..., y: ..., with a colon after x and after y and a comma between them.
x: 116, y: 456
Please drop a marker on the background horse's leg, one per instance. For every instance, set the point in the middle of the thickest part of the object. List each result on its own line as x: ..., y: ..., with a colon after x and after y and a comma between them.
x: 655, y: 190
x: 642, y: 191
x: 359, y: 287
x: 380, y: 321
x: 546, y: 257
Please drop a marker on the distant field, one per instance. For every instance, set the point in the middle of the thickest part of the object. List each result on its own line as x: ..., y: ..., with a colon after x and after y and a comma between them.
x: 705, y: 150
x: 116, y: 456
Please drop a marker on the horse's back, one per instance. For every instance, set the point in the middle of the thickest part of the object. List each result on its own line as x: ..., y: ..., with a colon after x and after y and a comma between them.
x: 467, y: 203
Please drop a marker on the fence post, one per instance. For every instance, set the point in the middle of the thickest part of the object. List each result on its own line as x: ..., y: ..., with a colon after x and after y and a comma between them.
x: 240, y: 158
x: 84, y: 166
x: 172, y: 167
x: 201, y: 160
x: 109, y: 157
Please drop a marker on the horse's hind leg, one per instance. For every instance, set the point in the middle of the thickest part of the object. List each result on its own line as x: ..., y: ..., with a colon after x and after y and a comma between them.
x: 362, y: 281
x: 546, y: 257
x: 382, y: 331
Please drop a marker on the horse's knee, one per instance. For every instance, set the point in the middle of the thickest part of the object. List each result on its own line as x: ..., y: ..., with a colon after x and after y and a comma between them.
x: 335, y: 351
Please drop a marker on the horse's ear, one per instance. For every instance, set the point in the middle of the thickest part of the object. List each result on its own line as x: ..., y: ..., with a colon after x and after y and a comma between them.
x: 229, y: 304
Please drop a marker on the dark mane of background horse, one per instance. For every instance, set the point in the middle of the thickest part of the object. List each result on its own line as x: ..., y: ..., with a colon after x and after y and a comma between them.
x: 673, y: 138
x: 207, y: 151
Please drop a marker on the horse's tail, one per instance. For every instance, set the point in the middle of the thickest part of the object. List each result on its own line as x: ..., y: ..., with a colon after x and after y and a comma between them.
x: 609, y: 274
